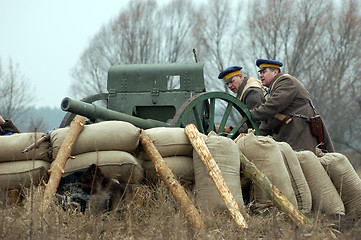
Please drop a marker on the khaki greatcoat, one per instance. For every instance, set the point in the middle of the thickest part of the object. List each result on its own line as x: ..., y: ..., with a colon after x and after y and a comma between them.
x: 286, y: 95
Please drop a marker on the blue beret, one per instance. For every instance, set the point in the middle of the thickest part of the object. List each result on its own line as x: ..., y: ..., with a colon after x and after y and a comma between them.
x: 265, y: 63
x: 230, y: 72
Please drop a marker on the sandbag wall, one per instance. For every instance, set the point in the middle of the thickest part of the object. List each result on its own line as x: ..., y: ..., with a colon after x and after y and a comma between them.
x: 19, y: 170
x: 175, y: 149
x: 327, y: 183
x: 225, y: 152
x: 110, y: 145
x: 267, y: 156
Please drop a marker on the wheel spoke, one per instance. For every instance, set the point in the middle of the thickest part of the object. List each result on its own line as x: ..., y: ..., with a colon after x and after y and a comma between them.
x: 204, y: 114
x: 212, y: 112
x: 225, y: 118
x: 237, y: 127
x: 198, y: 120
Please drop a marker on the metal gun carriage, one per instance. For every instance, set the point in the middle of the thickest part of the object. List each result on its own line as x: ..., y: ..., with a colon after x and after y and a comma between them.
x: 160, y: 95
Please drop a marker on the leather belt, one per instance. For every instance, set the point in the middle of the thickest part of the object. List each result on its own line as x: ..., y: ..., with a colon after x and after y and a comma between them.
x: 288, y: 118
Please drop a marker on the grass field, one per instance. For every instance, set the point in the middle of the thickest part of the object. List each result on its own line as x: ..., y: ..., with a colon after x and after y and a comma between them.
x: 149, y: 211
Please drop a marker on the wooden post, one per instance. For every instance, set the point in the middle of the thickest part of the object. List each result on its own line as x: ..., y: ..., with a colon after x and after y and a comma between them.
x: 169, y: 179
x: 278, y: 198
x: 215, y: 173
x: 56, y: 172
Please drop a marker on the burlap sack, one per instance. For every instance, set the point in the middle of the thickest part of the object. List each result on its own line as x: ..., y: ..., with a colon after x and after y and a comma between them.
x: 345, y: 179
x: 225, y: 153
x: 114, y: 164
x: 181, y: 166
x: 11, y: 147
x: 169, y: 142
x: 103, y: 136
x: 299, y: 183
x: 20, y: 174
x: 324, y: 194
x: 266, y: 154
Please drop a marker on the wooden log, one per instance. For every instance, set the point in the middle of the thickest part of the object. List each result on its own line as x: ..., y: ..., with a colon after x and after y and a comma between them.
x: 170, y: 181
x: 215, y: 173
x: 273, y: 193
x: 57, y: 170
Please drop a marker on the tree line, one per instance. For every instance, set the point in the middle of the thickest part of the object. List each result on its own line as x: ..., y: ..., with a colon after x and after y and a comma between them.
x: 318, y: 41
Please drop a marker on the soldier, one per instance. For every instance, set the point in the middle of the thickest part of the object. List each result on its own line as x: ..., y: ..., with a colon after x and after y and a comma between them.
x: 7, y: 127
x: 248, y: 90
x: 288, y: 112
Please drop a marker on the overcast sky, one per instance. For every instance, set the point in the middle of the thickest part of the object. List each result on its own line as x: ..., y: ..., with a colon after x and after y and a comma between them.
x: 47, y: 37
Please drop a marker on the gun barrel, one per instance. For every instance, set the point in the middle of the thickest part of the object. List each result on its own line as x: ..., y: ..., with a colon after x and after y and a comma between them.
x: 96, y: 113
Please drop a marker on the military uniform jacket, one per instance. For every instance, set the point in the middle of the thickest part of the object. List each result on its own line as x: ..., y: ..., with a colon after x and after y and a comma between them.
x: 8, y: 127
x: 286, y: 96
x: 250, y: 93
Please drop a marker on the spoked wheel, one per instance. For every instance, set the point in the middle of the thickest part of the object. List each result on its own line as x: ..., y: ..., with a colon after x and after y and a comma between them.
x: 89, y: 99
x: 201, y: 109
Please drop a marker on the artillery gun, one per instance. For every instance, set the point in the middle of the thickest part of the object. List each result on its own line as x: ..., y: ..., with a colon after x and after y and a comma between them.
x: 160, y: 95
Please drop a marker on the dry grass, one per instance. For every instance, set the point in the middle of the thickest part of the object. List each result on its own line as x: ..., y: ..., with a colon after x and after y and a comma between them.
x: 150, y: 212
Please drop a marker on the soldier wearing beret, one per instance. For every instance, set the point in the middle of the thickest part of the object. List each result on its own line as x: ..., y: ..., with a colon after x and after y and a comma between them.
x: 7, y: 127
x: 248, y: 90
x: 288, y: 111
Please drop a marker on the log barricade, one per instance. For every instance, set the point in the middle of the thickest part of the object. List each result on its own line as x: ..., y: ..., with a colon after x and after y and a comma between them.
x: 215, y: 174
x: 277, y: 198
x: 57, y: 170
x: 170, y: 181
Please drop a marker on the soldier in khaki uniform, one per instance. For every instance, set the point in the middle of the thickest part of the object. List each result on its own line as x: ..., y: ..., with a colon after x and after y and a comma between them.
x: 7, y: 127
x: 248, y: 90
x: 288, y: 110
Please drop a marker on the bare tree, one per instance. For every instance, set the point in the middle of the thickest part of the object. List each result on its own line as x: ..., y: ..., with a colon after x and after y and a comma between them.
x: 217, y: 36
x: 16, y: 92
x: 141, y: 33
x: 339, y: 65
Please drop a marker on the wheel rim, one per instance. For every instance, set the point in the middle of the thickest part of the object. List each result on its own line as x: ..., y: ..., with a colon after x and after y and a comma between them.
x: 201, y: 108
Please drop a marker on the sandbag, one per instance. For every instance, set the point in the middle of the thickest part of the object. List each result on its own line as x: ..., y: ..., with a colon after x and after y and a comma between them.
x: 345, y: 179
x: 102, y: 136
x: 298, y: 180
x: 21, y: 174
x: 225, y: 153
x: 114, y: 164
x: 324, y: 194
x: 266, y: 154
x: 169, y: 141
x: 181, y: 166
x: 11, y: 147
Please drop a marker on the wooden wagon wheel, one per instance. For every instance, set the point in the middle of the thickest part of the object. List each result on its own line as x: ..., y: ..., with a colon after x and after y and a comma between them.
x: 89, y: 99
x: 201, y: 110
